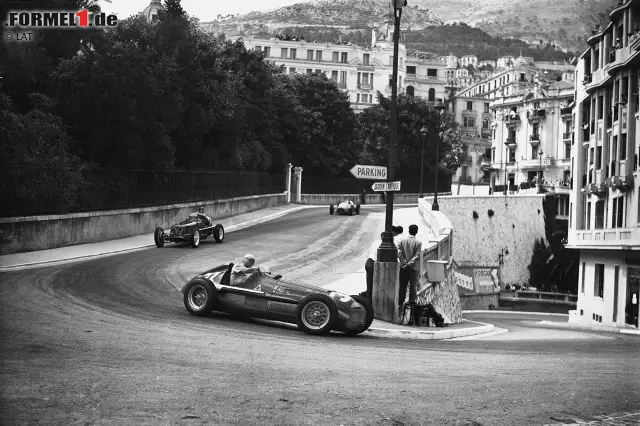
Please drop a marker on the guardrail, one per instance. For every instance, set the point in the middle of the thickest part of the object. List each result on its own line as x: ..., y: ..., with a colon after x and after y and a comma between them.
x: 539, y: 295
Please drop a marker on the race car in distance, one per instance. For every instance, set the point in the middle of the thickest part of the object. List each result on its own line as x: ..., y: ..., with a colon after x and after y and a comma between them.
x: 314, y: 310
x: 196, y: 227
x: 345, y: 207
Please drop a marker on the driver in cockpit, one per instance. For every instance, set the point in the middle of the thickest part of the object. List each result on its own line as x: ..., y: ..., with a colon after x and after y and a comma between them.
x: 241, y: 271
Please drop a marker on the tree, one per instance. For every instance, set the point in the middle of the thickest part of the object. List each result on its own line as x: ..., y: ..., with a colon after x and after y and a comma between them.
x: 538, y: 271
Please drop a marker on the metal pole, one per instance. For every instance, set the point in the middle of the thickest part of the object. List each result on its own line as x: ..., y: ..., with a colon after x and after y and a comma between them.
x: 387, y: 252
x: 505, y: 170
x: 434, y: 205
x: 422, y: 167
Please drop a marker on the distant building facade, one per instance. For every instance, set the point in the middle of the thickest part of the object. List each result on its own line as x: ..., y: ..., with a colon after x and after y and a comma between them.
x: 605, y: 199
x: 151, y: 11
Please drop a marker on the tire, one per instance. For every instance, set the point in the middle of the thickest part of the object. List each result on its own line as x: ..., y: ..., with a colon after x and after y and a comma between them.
x: 218, y: 233
x: 195, y: 239
x: 331, y: 209
x: 158, y: 237
x: 316, y: 314
x: 200, y: 297
x: 357, y: 208
x: 369, y: 317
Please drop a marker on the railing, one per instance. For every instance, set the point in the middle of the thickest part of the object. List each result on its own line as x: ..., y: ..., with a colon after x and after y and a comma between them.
x: 109, y: 189
x: 612, y: 237
x: 539, y: 295
x: 566, y: 111
x: 365, y: 86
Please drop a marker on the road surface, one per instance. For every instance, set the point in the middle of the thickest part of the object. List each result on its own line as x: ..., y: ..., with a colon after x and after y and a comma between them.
x: 109, y: 342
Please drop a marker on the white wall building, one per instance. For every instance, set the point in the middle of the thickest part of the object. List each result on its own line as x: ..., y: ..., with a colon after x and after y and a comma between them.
x: 605, y: 202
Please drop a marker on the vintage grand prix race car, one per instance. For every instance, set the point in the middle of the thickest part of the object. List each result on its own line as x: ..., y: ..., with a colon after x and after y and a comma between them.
x: 315, y: 310
x: 345, y: 207
x: 196, y: 227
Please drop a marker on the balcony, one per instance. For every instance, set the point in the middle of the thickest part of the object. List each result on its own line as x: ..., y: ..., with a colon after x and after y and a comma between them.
x: 536, y: 115
x: 486, y: 132
x: 623, y: 183
x: 511, y: 143
x: 536, y: 164
x: 598, y: 189
x: 365, y: 86
x: 485, y: 164
x: 467, y: 159
x: 469, y: 112
x: 605, y: 239
x: 534, y: 140
x: 566, y: 112
x: 512, y: 121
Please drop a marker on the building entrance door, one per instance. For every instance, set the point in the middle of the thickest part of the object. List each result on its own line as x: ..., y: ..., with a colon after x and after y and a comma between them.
x: 633, y: 288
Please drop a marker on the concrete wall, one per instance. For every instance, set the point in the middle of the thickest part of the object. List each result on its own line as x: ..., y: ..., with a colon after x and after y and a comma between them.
x: 516, y: 222
x: 320, y: 199
x: 479, y: 302
x: 461, y: 189
x: 22, y: 234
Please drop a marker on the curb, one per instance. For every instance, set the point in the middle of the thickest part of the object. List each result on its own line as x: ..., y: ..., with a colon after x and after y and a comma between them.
x: 430, y: 335
x: 586, y: 327
x: 513, y: 312
x: 231, y: 228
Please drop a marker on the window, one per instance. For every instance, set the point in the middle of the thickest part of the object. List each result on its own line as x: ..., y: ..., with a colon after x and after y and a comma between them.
x: 599, y: 214
x: 257, y: 48
x: 410, y: 91
x: 534, y: 152
x: 267, y: 51
x: 334, y: 76
x: 598, y: 282
x: 486, y: 108
x: 294, y: 52
x: 319, y: 71
x: 616, y: 274
x: 358, y: 98
x: 309, y: 71
x: 432, y: 94
x: 390, y: 80
x: 319, y: 55
x: 469, y: 122
x: 588, y: 215
x: 567, y: 151
x: 485, y: 124
x: 623, y: 147
x: 493, y: 155
x: 292, y: 70
x: 583, y: 277
x: 432, y: 72
x: 512, y: 155
x: 411, y: 70
x: 343, y: 77
x: 469, y: 106
x: 365, y: 59
x: 598, y: 158
x: 522, y: 77
x: 335, y: 56
x: 617, y: 216
x: 310, y: 55
x: 284, y: 52
x: 343, y: 57
x: 600, y: 107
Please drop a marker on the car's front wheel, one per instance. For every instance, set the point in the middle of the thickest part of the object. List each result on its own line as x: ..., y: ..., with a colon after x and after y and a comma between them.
x: 368, y: 307
x: 331, y: 209
x: 195, y: 239
x: 218, y: 233
x: 316, y: 314
x: 158, y: 237
x: 199, y: 297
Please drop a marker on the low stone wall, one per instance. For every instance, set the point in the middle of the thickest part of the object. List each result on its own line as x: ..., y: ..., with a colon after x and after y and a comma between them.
x: 444, y: 298
x: 320, y: 199
x: 532, y: 305
x: 22, y: 234
x: 479, y: 301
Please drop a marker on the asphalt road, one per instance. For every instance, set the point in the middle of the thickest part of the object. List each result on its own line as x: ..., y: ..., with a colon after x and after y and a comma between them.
x: 109, y: 342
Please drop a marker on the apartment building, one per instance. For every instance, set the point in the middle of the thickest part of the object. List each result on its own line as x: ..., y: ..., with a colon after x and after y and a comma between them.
x: 425, y: 77
x: 605, y: 203
x: 475, y: 118
x: 505, y: 82
x: 531, y: 141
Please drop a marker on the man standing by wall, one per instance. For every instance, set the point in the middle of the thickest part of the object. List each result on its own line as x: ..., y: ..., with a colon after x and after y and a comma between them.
x: 409, y: 249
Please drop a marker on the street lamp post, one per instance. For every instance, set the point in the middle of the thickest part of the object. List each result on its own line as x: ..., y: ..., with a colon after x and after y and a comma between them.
x: 387, y: 252
x: 423, y: 132
x: 439, y: 106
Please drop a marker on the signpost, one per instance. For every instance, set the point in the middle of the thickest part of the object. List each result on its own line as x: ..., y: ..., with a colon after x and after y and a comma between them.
x: 369, y: 172
x: 386, y: 186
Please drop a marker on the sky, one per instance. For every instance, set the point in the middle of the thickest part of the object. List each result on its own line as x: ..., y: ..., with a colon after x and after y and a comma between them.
x: 205, y: 10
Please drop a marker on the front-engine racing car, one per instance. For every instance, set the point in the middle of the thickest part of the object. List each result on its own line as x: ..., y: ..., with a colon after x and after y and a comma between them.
x: 314, y: 310
x: 196, y: 227
x: 346, y: 207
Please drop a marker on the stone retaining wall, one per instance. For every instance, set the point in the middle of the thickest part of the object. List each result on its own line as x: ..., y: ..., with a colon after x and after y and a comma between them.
x: 30, y: 233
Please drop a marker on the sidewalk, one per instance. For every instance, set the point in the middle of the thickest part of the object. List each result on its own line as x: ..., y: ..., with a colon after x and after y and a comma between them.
x: 588, y: 327
x: 355, y: 283
x: 38, y: 258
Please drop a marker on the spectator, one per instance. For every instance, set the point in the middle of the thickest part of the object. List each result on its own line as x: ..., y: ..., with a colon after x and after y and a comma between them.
x: 409, y: 249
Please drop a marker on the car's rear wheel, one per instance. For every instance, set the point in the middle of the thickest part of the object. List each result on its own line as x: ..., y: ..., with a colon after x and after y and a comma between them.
x: 218, y: 233
x: 199, y: 297
x: 331, y: 209
x: 158, y: 237
x: 316, y: 314
x: 195, y: 239
x: 368, y: 307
